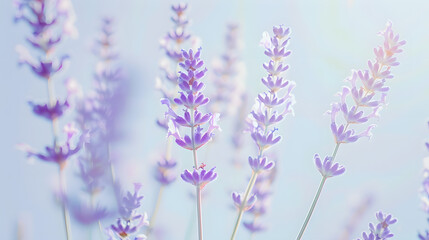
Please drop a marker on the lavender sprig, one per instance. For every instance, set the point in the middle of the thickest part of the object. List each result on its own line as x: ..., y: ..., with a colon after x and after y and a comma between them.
x: 171, y: 44
x: 369, y: 96
x: 380, y: 231
x: 191, y: 97
x: 49, y: 21
x: 264, y: 115
x: 131, y: 220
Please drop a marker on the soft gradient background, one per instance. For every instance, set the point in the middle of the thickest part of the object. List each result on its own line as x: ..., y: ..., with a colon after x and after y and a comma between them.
x: 329, y: 39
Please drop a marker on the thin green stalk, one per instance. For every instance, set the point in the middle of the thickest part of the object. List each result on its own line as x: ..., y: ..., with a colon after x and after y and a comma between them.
x: 155, y: 211
x: 316, y: 198
x: 244, y: 202
x: 197, y: 188
x: 65, y: 210
x: 51, y: 95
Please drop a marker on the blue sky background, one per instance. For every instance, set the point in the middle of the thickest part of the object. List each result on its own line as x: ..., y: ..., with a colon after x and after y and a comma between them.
x: 329, y: 38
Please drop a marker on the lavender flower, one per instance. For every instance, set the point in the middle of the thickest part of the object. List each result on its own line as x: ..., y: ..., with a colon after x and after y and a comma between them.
x: 229, y: 76
x: 369, y: 95
x: 191, y: 98
x: 328, y: 168
x: 164, y: 173
x: 199, y: 179
x: 49, y: 21
x: 381, y: 231
x: 265, y: 111
x: 238, y: 201
x: 131, y: 220
x: 87, y: 214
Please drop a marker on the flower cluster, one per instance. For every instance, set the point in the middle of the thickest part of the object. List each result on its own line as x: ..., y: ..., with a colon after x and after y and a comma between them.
x: 191, y: 98
x: 367, y: 90
x: 164, y: 172
x: 264, y: 114
x: 381, y: 231
x: 199, y: 179
x: 131, y: 221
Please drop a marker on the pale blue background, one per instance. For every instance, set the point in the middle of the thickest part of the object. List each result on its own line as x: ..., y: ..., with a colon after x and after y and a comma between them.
x: 329, y: 38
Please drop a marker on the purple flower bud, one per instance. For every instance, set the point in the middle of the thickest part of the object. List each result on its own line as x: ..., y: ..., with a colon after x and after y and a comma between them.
x: 50, y: 112
x: 238, y: 201
x: 258, y: 164
x: 381, y: 230
x: 327, y: 168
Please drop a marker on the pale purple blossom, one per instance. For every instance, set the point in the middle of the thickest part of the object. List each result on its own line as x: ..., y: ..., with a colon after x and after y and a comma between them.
x: 367, y: 89
x: 327, y: 168
x: 380, y: 231
x: 238, y: 201
x: 165, y: 173
x: 199, y: 178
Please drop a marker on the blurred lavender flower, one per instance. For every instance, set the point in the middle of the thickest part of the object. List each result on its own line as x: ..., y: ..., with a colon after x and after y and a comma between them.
x: 229, y: 76
x: 165, y: 171
x: 265, y: 114
x: 131, y: 221
x: 50, y: 21
x: 381, y: 231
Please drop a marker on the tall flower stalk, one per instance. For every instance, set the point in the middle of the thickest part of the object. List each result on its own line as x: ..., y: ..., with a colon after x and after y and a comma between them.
x: 424, y: 193
x: 50, y: 21
x: 191, y: 98
x: 264, y: 115
x: 366, y: 93
x: 171, y: 44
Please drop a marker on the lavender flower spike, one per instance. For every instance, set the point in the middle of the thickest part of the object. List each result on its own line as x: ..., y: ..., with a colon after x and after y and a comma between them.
x: 366, y: 94
x: 191, y: 98
x: 238, y: 202
x: 328, y: 168
x: 270, y: 107
x: 381, y: 230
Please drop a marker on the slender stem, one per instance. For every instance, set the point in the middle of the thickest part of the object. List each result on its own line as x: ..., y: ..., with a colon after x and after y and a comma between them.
x: 65, y: 210
x: 197, y: 188
x: 244, y: 202
x: 112, y: 168
x: 316, y: 198
x: 51, y: 95
x: 155, y: 211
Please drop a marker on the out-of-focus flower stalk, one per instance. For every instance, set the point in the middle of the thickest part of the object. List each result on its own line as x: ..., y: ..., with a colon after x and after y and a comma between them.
x: 372, y: 82
x: 45, y: 17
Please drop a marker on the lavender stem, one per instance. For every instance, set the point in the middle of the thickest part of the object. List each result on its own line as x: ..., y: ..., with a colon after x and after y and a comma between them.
x: 65, y: 210
x: 316, y: 198
x: 197, y: 187
x: 51, y: 95
x: 241, y: 210
x: 155, y: 211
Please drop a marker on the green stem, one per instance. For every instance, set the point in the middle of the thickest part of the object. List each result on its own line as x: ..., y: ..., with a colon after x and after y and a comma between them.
x: 316, y: 198
x: 65, y: 210
x: 197, y: 188
x: 244, y: 202
x: 155, y: 211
